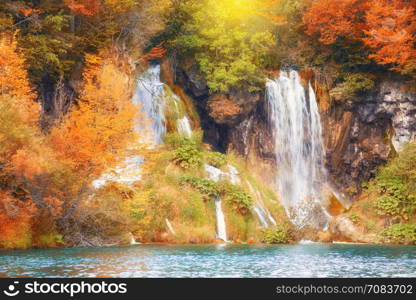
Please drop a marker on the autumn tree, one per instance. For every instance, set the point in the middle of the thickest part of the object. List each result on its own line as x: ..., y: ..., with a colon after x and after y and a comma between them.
x: 386, y: 27
x: 18, y: 129
x: 86, y: 8
x: 96, y: 134
x: 391, y: 34
x: 19, y: 111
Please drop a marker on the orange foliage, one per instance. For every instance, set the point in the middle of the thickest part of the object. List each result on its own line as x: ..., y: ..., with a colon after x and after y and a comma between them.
x: 94, y: 136
x: 54, y: 171
x: 29, y: 11
x: 14, y: 78
x: 387, y: 27
x: 392, y: 33
x: 86, y: 8
x: 15, y: 221
x: 155, y: 53
x: 330, y: 19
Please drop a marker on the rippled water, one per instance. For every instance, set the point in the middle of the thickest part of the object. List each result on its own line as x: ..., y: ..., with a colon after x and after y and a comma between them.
x: 306, y: 260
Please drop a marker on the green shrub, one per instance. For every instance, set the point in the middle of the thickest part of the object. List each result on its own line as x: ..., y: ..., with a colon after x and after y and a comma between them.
x: 216, y: 159
x: 399, y: 233
x: 188, y: 156
x: 395, y: 185
x: 353, y: 85
x: 236, y: 196
x: 205, y: 186
x: 276, y: 235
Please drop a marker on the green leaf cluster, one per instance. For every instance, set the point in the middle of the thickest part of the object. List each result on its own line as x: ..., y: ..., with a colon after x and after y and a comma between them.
x: 399, y: 233
x: 277, y: 235
x: 395, y: 185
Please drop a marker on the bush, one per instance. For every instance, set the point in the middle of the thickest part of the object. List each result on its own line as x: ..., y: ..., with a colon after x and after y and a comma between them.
x: 236, y: 196
x: 276, y: 235
x: 175, y: 140
x: 395, y: 185
x: 216, y: 159
x: 205, y: 186
x: 399, y: 233
x: 188, y: 157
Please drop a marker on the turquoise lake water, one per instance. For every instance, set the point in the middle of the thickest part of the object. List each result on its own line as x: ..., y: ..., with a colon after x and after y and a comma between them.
x: 303, y: 260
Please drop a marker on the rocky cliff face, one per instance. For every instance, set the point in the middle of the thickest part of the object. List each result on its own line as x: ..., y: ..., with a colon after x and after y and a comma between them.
x: 359, y: 135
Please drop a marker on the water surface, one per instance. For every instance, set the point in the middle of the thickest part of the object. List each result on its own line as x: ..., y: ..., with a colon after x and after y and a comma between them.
x: 303, y: 260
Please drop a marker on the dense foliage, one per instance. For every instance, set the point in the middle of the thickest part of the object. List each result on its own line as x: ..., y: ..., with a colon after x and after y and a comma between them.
x: 230, y: 40
x: 395, y: 185
x: 66, y: 117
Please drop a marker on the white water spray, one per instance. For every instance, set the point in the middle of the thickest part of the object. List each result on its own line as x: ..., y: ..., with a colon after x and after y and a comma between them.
x: 295, y: 123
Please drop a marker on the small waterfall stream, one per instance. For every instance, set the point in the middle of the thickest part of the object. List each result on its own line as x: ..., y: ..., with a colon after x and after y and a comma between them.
x: 295, y: 123
x: 150, y: 95
x: 221, y: 228
x: 216, y: 174
x: 184, y: 126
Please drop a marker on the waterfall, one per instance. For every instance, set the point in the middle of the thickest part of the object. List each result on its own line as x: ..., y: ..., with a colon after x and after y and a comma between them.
x: 133, y: 240
x: 184, y: 127
x: 150, y: 95
x: 295, y: 123
x: 221, y: 229
x: 216, y: 174
x: 263, y: 214
x: 170, y: 227
x: 152, y: 99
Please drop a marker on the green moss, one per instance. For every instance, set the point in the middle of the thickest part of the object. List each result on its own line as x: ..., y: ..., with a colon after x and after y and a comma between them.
x: 351, y: 191
x: 50, y: 240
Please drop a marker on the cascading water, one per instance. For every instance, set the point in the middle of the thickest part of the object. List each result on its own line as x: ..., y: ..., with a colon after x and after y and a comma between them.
x: 216, y: 174
x: 184, y: 126
x: 150, y: 95
x: 220, y: 219
x: 263, y: 214
x: 169, y: 226
x: 295, y: 123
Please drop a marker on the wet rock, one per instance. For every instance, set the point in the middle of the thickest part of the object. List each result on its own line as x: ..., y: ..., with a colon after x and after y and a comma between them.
x: 343, y: 229
x: 190, y: 77
x: 232, y: 108
x: 362, y: 135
